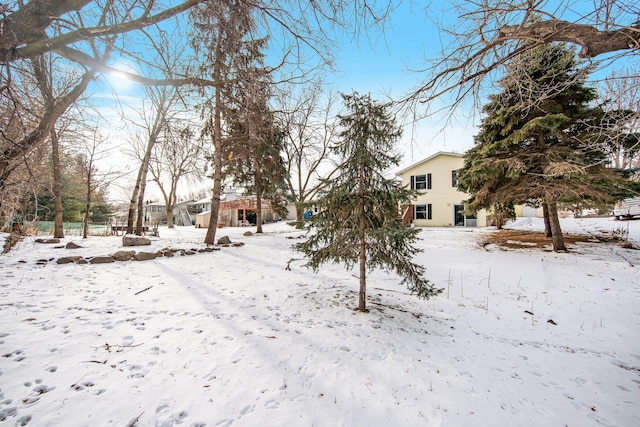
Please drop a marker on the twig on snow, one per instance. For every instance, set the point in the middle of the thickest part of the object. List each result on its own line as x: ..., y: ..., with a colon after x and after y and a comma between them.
x: 145, y: 289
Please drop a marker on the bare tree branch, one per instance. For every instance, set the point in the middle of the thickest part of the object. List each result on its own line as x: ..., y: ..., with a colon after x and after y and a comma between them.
x: 84, y: 59
x: 19, y: 45
x: 489, y: 33
x: 593, y: 41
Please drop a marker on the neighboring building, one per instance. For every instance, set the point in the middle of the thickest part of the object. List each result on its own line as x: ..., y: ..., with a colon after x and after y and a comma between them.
x: 238, y: 212
x: 528, y: 211
x: 202, y: 205
x: 155, y: 213
x: 183, y: 214
x: 234, y: 210
x: 627, y: 208
x: 439, y: 204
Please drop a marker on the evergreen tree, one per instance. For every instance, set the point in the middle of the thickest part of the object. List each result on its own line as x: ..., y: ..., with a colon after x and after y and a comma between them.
x: 501, y: 213
x: 541, y: 141
x: 223, y: 39
x: 358, y: 210
x: 253, y: 154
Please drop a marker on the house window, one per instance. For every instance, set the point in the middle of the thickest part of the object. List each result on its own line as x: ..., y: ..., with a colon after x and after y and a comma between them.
x: 454, y: 178
x: 423, y: 211
x: 421, y: 182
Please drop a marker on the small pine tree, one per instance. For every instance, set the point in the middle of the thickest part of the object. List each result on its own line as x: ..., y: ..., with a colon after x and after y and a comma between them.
x: 358, y: 211
x: 502, y: 213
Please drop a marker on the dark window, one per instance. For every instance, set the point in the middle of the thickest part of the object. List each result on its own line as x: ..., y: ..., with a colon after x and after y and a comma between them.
x: 421, y: 182
x: 423, y: 211
x: 454, y: 178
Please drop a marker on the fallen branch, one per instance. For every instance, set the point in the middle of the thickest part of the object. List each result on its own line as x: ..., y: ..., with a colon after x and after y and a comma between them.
x: 134, y: 421
x: 118, y: 348
x: 145, y: 289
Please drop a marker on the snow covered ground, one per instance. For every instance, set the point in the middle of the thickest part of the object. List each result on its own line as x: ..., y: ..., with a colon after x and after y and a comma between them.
x: 518, y: 337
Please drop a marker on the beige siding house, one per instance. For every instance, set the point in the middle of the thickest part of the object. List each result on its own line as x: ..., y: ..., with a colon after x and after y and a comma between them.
x: 439, y: 204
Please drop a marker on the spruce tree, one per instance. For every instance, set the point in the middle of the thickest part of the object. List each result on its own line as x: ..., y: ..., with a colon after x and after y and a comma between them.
x: 222, y: 40
x: 541, y: 141
x: 254, y: 152
x: 358, y: 214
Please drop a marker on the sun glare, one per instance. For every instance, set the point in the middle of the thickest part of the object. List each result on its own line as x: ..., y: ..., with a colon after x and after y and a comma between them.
x: 119, y: 80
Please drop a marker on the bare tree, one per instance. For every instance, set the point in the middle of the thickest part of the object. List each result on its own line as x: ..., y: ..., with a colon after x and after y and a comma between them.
x: 162, y: 105
x: 93, y: 151
x: 311, y: 128
x: 156, y: 115
x: 490, y: 33
x: 620, y: 92
x: 25, y: 33
x: 24, y: 131
x: 178, y: 156
x: 31, y: 119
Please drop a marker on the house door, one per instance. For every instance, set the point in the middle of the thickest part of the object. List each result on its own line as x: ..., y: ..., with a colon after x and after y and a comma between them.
x: 458, y: 215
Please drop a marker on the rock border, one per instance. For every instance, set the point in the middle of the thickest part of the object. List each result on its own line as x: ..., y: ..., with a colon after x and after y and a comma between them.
x: 124, y: 255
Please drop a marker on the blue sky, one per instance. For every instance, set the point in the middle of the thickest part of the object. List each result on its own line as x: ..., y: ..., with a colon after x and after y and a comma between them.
x: 383, y: 64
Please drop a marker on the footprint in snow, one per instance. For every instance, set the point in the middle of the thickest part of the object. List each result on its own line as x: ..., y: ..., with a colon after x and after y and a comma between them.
x: 24, y: 420
x: 167, y: 418
x: 7, y: 413
x: 83, y: 385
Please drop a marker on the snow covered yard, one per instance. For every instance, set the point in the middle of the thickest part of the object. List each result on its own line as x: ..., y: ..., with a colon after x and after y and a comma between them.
x: 518, y: 337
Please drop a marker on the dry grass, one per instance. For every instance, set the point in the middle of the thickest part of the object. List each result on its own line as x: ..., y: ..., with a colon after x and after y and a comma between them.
x: 518, y: 239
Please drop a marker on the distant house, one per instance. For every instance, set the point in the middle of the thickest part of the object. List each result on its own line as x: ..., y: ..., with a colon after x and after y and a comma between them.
x: 236, y: 213
x: 156, y: 213
x: 439, y: 204
x: 183, y: 214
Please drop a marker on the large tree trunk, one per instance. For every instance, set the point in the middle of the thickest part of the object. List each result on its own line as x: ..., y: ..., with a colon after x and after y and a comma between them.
x: 210, y: 238
x: 545, y: 218
x: 137, y: 197
x: 362, y: 294
x: 29, y: 22
x: 133, y: 203
x: 258, y: 201
x: 140, y: 213
x: 299, y: 215
x: 169, y: 212
x: 58, y: 228
x: 53, y: 110
x: 87, y: 212
x: 556, y: 231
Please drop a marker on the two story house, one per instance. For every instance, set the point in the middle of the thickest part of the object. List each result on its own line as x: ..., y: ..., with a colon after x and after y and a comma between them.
x: 439, y: 204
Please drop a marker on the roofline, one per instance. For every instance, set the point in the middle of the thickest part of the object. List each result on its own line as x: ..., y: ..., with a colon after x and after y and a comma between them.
x: 439, y: 153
